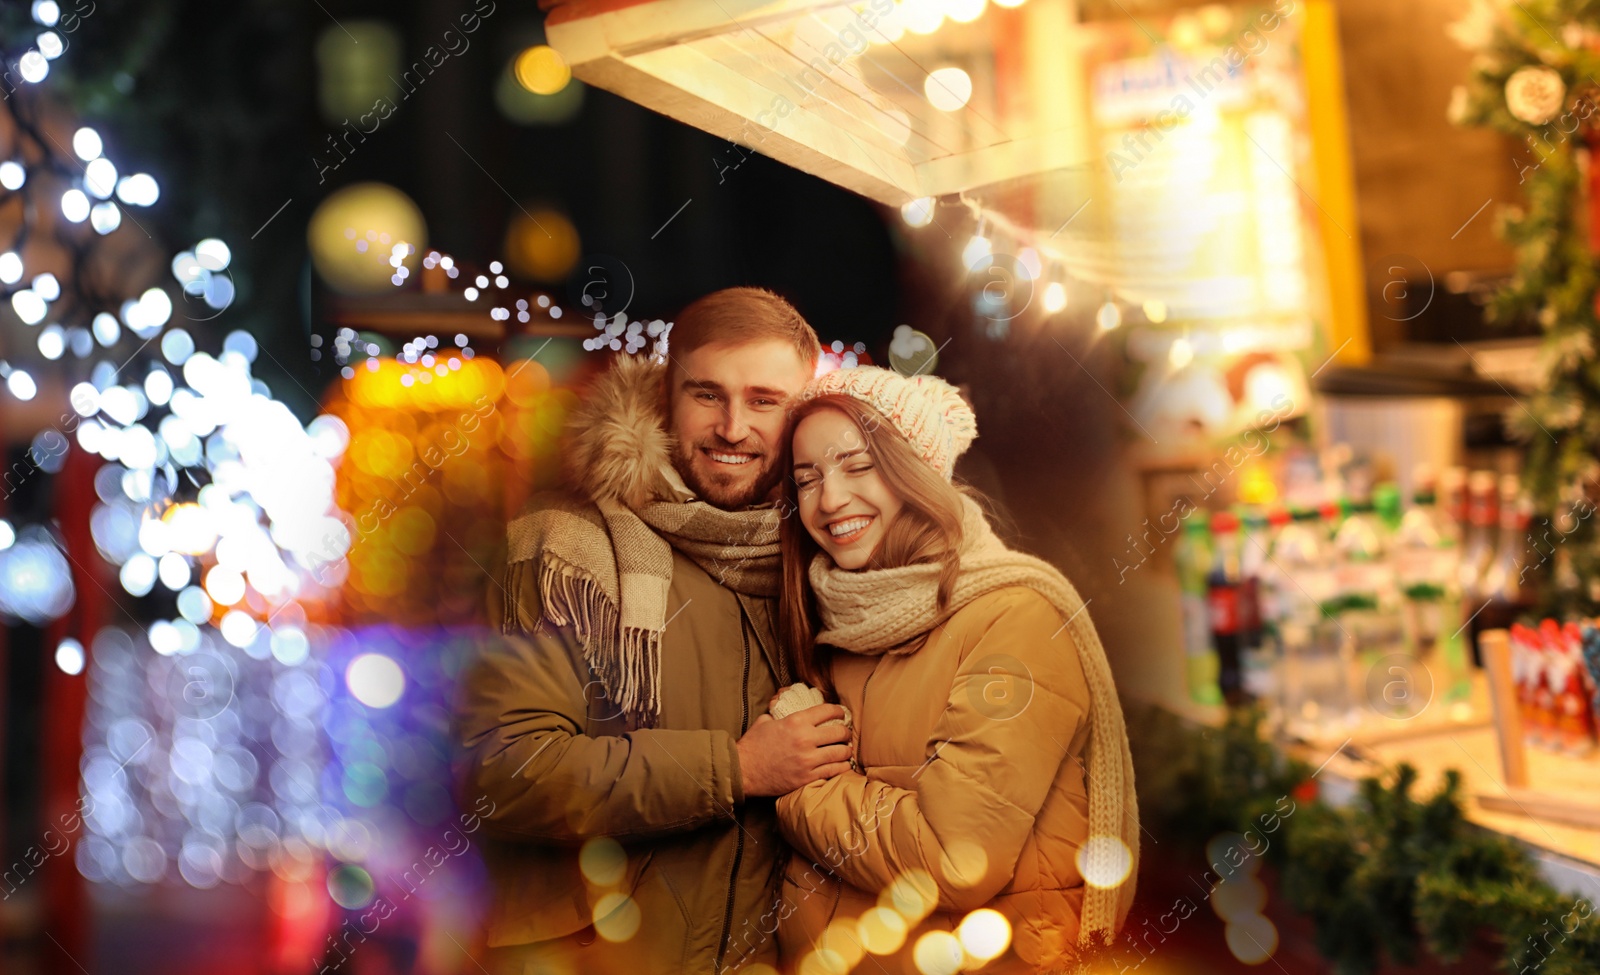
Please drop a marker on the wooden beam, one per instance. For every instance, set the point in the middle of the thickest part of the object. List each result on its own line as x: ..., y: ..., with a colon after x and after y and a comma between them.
x: 1544, y: 806
x: 1495, y: 648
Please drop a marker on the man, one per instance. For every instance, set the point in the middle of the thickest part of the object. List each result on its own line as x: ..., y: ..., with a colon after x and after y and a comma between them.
x: 617, y: 734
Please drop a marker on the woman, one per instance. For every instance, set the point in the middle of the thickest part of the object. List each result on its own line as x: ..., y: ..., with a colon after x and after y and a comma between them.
x: 992, y: 767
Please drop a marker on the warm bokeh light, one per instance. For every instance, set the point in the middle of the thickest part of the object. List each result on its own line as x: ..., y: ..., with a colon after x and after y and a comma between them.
x: 1104, y: 861
x: 948, y: 89
x: 913, y: 895
x: 938, y: 953
x: 542, y: 70
x: 1252, y: 939
x: 918, y: 212
x: 881, y: 931
x: 603, y: 861
x: 1055, y: 297
x: 985, y: 934
x: 353, y: 231
x: 542, y: 244
x: 841, y: 941
x: 1238, y: 898
x: 617, y: 917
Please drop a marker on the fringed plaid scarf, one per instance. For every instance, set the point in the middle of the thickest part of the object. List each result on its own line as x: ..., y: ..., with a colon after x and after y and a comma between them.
x: 604, y: 569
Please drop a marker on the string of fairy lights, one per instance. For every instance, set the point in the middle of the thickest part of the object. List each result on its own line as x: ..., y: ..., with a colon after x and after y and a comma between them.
x: 206, y: 740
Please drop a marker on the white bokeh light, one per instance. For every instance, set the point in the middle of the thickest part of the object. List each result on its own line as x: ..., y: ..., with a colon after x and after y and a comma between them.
x: 375, y: 680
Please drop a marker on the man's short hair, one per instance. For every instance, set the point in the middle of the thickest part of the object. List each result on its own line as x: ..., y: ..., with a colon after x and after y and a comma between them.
x: 734, y: 316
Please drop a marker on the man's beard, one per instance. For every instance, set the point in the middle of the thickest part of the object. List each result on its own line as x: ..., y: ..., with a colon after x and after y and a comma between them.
x: 729, y: 495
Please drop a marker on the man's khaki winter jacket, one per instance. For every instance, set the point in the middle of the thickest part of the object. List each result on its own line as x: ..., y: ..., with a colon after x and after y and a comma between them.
x: 569, y: 782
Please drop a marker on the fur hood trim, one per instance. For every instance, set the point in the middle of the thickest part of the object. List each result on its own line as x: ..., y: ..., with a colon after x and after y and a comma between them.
x: 617, y: 444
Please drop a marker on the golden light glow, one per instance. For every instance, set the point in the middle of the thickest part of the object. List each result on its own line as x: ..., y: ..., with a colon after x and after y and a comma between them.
x: 526, y: 382
x: 602, y: 861
x: 922, y: 16
x: 823, y: 962
x: 1257, y: 485
x: 985, y: 934
x: 460, y: 389
x: 917, y: 213
x: 1055, y: 297
x: 841, y: 941
x: 963, y: 11
x: 938, y: 953
x: 1180, y: 354
x: 542, y: 70
x: 347, y: 258
x: 413, y: 531
x: 616, y: 917
x: 1238, y: 898
x: 912, y: 895
x: 948, y: 89
x: 1253, y: 939
x: 881, y: 931
x: 1104, y: 861
x: 542, y: 244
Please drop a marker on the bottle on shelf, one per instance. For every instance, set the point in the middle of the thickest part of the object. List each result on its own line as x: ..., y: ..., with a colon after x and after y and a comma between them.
x: 1298, y: 598
x: 1478, y: 552
x: 1452, y: 498
x: 1258, y: 651
x: 1224, y: 583
x: 1367, y: 613
x: 1386, y: 505
x: 1505, y: 589
x: 1426, y: 560
x: 1193, y: 562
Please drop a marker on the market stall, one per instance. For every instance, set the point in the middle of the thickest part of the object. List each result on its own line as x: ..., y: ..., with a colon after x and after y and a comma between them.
x: 1335, y: 538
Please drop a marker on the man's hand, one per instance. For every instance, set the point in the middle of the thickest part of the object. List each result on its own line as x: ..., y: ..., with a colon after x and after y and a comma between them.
x: 776, y: 757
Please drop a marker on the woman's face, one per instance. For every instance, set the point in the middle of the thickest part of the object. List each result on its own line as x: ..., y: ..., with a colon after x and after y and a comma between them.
x: 845, y: 503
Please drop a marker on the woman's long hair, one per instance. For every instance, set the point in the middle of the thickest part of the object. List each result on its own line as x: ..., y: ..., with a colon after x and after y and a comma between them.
x: 927, y: 529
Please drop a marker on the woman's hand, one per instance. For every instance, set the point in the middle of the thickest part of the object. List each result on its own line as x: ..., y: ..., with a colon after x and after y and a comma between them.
x: 776, y: 757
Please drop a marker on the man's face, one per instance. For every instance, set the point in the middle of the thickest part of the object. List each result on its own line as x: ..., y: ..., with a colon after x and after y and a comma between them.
x: 729, y: 414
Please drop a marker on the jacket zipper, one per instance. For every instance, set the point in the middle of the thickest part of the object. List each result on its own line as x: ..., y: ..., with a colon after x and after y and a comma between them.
x: 738, y: 816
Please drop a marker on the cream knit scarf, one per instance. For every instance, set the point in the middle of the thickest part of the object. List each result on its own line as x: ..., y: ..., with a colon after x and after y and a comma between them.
x: 879, y: 610
x: 604, y: 569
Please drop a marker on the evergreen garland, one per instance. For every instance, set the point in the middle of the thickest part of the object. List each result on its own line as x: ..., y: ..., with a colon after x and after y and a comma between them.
x: 1533, y: 78
x: 1388, y: 876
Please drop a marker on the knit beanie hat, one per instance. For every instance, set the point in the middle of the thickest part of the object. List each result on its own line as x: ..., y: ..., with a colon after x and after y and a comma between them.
x: 927, y: 411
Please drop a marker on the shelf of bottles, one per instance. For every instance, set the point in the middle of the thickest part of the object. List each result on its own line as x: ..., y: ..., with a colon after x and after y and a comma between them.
x: 1348, y: 609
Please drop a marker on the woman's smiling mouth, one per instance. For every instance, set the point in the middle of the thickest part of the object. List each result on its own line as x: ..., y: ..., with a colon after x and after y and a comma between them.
x: 846, y: 530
